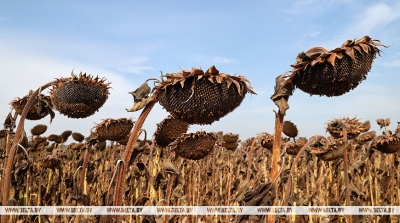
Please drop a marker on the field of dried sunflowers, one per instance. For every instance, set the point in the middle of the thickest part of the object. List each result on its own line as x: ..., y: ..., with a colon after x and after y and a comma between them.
x: 119, y: 163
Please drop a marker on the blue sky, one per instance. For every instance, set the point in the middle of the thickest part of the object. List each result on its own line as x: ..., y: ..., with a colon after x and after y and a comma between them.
x: 130, y: 41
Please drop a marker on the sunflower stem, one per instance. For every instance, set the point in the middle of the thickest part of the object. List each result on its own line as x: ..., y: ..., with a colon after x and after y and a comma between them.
x: 128, y: 153
x: 11, y: 155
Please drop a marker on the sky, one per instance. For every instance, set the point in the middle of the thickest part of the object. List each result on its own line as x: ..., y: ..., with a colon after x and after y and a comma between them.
x: 128, y: 42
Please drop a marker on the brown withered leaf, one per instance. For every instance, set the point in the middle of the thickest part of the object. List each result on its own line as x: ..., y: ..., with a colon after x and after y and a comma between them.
x: 332, y: 59
x: 350, y: 52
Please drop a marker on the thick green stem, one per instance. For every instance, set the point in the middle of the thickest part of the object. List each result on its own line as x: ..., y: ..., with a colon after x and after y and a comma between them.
x: 10, y: 159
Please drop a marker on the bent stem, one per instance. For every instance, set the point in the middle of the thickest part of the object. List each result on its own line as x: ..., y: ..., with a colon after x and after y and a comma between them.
x: 10, y: 159
x: 128, y: 153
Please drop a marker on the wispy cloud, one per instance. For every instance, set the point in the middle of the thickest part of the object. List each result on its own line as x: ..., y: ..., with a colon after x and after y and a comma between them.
x: 375, y: 17
x: 223, y: 60
x: 201, y: 59
x: 133, y: 65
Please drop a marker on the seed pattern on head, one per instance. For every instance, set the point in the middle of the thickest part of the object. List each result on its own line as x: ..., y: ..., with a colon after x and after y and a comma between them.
x: 79, y: 96
x: 194, y: 146
x: 199, y: 97
x: 114, y: 129
x: 169, y: 130
x: 335, y: 72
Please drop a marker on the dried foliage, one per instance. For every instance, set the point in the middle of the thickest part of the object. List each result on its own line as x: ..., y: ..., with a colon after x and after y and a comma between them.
x: 52, y: 177
x: 79, y: 96
x: 334, y: 72
x: 199, y: 97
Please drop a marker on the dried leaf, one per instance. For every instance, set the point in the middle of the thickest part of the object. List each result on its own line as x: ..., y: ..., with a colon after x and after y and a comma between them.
x: 339, y: 55
x: 183, y: 83
x: 365, y: 47
x: 350, y: 52
x: 219, y: 79
x: 228, y: 82
x: 332, y: 59
x: 211, y: 79
x: 237, y: 86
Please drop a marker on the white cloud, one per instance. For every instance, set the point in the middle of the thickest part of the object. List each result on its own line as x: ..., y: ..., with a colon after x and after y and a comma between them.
x: 372, y: 20
x: 316, y: 33
x: 23, y: 70
x: 223, y: 60
x: 200, y: 59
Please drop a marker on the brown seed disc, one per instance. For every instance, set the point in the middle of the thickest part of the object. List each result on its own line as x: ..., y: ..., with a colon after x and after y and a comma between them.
x: 78, y: 136
x: 290, y: 129
x: 194, y: 146
x: 37, y: 111
x: 335, y: 72
x: 52, y: 137
x: 366, y: 137
x: 169, y: 130
x: 230, y: 138
x: 386, y: 144
x: 39, y: 129
x: 114, y: 129
x: 199, y: 97
x: 268, y: 141
x: 294, y: 148
x: 230, y: 145
x: 79, y: 97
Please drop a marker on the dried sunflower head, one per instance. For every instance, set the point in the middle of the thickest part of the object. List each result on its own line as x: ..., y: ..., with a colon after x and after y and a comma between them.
x: 114, y: 129
x: 386, y: 144
x: 194, y: 146
x: 366, y: 137
x: 353, y: 127
x: 334, y: 72
x: 39, y: 129
x: 383, y: 122
x: 293, y: 147
x: 199, y: 97
x: 169, y: 130
x: 42, y: 106
x: 267, y: 141
x: 328, y: 151
x: 78, y: 136
x: 290, y: 129
x: 230, y: 138
x: 79, y: 96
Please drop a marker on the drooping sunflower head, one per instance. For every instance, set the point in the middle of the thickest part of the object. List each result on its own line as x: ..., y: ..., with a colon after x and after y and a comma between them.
x: 79, y: 96
x: 201, y: 97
